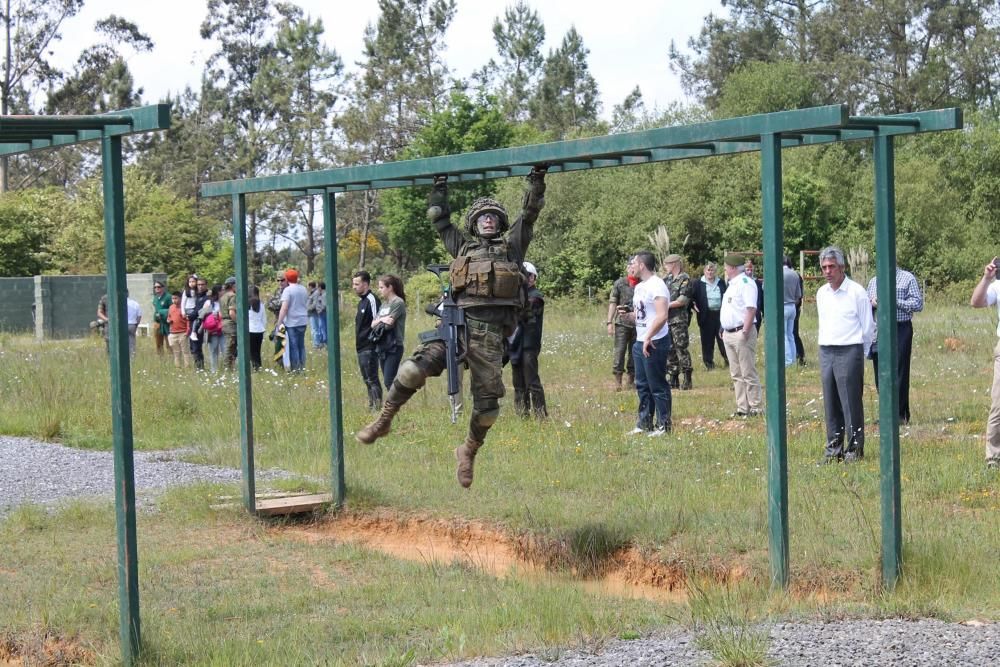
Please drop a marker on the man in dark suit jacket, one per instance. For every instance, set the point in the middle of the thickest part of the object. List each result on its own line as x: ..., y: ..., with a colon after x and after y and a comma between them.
x: 707, y: 300
x: 748, y: 270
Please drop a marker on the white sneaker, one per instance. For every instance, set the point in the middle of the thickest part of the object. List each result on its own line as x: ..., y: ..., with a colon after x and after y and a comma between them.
x: 636, y: 431
x: 657, y: 433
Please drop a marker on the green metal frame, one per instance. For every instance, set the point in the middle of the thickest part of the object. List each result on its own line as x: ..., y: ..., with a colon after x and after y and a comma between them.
x: 23, y: 134
x: 766, y: 133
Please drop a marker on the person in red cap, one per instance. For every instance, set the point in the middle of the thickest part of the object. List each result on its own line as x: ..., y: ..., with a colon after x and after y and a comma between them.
x: 293, y: 316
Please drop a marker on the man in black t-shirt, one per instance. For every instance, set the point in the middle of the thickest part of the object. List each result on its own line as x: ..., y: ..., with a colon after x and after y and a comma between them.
x: 367, y: 356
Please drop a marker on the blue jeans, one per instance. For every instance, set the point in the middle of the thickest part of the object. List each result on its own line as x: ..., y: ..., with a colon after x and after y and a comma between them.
x: 318, y: 323
x: 789, y: 334
x: 651, y: 384
x: 296, y: 340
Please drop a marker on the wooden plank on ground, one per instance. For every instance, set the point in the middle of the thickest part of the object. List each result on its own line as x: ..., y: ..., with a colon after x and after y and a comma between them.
x: 293, y: 504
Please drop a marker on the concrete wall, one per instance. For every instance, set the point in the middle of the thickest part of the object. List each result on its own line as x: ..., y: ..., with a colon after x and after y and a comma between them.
x: 65, y: 305
x: 17, y: 296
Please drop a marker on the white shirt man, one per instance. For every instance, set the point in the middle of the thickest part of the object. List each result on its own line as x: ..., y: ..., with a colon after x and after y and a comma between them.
x: 846, y: 331
x: 650, y: 304
x: 739, y: 310
x: 987, y: 293
x: 133, y: 315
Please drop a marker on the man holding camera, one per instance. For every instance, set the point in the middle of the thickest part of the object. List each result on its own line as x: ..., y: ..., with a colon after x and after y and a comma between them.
x: 986, y: 293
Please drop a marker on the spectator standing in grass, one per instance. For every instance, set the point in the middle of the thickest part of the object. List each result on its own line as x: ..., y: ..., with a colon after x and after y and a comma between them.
x: 748, y: 269
x: 623, y: 332
x: 737, y: 319
x: 103, y: 321
x: 294, y: 317
x: 161, y: 308
x: 257, y: 324
x: 311, y: 308
x: 650, y: 312
x: 529, y: 395
x: 707, y: 296
x: 987, y: 293
x: 367, y: 311
x: 791, y: 303
x: 227, y: 313
x: 192, y: 310
x: 212, y: 327
x: 133, y: 311
x: 909, y: 300
x: 319, y: 323
x: 391, y: 322
x: 846, y: 331
x: 178, y: 330
x: 679, y: 285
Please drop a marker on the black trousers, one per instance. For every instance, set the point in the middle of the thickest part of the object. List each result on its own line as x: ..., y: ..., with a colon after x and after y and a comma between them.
x: 708, y: 328
x: 800, y: 349
x: 904, y: 350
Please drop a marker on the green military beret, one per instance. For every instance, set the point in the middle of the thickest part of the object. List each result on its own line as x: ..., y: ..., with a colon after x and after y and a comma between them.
x: 733, y: 259
x: 670, y: 259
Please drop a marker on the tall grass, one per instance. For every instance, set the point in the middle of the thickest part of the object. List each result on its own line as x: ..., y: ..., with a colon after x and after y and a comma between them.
x: 695, y: 500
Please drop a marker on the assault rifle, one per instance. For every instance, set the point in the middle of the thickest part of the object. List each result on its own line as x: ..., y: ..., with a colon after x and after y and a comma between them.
x: 450, y: 329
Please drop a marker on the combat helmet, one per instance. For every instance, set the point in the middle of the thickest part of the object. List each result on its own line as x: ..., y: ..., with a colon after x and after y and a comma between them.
x: 484, y: 205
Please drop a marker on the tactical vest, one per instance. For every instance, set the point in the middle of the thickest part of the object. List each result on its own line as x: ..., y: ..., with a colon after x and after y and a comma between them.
x: 485, y: 274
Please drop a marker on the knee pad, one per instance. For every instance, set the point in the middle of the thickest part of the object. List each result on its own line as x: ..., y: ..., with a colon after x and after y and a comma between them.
x: 410, y: 375
x: 485, y: 417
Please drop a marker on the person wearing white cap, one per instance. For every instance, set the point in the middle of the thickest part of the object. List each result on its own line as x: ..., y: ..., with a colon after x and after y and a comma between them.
x: 529, y: 395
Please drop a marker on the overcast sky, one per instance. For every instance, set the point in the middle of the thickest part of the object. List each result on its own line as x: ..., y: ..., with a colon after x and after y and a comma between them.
x: 628, y: 39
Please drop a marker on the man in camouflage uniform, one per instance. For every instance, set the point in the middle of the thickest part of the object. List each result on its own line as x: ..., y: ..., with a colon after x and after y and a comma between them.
x: 486, y: 284
x: 679, y: 284
x: 620, y: 303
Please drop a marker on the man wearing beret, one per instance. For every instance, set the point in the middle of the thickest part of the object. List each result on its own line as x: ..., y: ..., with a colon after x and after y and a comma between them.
x: 679, y: 284
x: 739, y: 334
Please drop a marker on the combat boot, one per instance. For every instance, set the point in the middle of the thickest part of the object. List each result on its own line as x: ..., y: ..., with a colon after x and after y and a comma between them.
x: 687, y: 380
x: 381, y: 426
x: 675, y: 383
x: 630, y: 384
x: 465, y: 455
x: 618, y: 381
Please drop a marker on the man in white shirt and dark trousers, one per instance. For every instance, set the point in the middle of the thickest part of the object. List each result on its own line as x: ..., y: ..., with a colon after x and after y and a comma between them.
x: 650, y: 306
x: 739, y: 334
x: 846, y: 331
x: 987, y: 293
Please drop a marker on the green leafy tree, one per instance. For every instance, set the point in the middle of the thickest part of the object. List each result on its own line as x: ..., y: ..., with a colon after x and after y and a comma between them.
x: 27, y: 224
x: 760, y: 87
x: 462, y: 127
x: 31, y: 28
x: 518, y: 38
x: 567, y: 97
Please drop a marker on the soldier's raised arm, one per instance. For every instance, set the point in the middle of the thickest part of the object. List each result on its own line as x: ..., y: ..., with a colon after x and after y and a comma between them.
x: 439, y: 214
x: 522, y: 231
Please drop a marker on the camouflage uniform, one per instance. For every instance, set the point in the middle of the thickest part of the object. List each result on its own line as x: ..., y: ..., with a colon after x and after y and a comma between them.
x: 679, y: 358
x: 621, y: 295
x: 486, y: 283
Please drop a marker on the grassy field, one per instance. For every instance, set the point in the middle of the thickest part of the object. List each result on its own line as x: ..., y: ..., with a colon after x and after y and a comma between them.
x: 220, y: 588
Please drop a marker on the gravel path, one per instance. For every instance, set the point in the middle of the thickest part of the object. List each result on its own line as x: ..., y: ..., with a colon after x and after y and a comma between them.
x: 898, y: 643
x: 48, y: 474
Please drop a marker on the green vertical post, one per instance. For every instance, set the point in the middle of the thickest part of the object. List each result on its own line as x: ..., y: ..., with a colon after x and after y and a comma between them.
x: 242, y: 351
x: 774, y: 337
x: 121, y: 400
x: 888, y: 346
x: 333, y: 348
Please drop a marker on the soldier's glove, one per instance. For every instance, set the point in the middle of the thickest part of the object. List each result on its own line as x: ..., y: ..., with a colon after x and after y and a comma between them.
x: 437, y: 200
x: 534, y: 196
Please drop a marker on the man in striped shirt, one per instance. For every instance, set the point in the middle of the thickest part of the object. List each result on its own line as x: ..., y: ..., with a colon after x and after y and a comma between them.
x: 909, y: 300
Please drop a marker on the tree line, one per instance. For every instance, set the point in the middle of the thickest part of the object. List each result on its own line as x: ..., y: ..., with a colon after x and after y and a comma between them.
x: 274, y: 97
